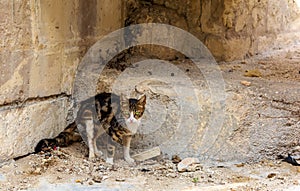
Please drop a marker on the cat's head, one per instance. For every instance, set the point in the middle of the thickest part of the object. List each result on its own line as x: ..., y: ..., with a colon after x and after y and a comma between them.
x: 133, y: 109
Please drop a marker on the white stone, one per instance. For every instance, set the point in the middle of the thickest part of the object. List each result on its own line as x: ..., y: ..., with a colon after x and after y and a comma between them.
x: 186, y: 163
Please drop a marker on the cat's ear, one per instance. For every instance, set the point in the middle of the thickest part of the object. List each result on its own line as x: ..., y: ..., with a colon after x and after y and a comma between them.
x: 142, y: 100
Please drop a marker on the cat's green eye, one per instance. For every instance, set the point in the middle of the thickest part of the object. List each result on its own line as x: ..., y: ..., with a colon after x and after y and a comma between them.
x: 137, y: 113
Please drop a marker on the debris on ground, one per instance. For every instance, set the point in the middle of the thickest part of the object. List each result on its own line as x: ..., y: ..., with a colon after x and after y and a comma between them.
x: 252, y: 73
x: 189, y: 165
x: 245, y: 83
x: 291, y: 160
x: 148, y: 154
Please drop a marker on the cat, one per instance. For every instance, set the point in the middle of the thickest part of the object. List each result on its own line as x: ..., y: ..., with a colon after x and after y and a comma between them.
x: 106, y: 113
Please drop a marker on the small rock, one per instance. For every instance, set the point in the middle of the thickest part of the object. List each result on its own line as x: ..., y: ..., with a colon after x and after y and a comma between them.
x: 245, y: 83
x: 151, y: 153
x: 18, y: 172
x: 188, y: 164
x: 105, y: 177
x: 60, y: 169
x: 78, y: 181
x: 210, y: 181
x: 120, y: 179
x: 160, y: 167
x: 25, y: 180
x: 280, y: 178
x: 240, y: 165
x: 194, y: 167
x: 145, y: 170
x: 252, y: 73
x: 97, y: 178
x: 271, y: 175
x: 176, y: 159
x: 171, y: 175
x: 149, y: 162
x: 37, y: 171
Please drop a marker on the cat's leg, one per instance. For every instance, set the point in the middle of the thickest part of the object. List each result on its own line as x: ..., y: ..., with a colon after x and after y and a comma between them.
x: 110, y: 151
x: 126, y: 148
x: 90, y: 132
x: 98, y: 131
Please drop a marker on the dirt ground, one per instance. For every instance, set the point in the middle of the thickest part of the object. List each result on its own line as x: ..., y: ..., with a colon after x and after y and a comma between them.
x: 69, y: 169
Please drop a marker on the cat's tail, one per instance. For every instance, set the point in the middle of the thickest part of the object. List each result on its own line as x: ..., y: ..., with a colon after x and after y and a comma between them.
x: 65, y: 138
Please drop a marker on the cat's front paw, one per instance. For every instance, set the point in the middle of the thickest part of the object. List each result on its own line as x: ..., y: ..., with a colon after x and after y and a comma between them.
x: 129, y: 160
x: 98, y: 154
x: 93, y: 158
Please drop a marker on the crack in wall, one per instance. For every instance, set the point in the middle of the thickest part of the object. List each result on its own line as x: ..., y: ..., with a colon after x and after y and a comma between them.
x: 32, y: 100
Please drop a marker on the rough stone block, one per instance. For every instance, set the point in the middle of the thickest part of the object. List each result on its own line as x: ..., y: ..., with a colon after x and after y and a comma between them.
x: 46, y: 75
x: 55, y: 23
x: 15, y: 25
x: 14, y: 75
x: 42, y: 43
x: 22, y: 127
x: 109, y: 9
x: 70, y: 60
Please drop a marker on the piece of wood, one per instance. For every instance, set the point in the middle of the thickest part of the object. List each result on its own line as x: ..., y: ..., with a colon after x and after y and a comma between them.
x: 154, y: 152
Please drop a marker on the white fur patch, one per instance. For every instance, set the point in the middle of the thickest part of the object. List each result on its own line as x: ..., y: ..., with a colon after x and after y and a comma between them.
x: 90, y: 134
x: 132, y: 123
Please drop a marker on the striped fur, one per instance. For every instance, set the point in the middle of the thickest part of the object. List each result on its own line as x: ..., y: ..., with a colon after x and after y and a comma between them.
x: 107, y: 113
x: 65, y: 138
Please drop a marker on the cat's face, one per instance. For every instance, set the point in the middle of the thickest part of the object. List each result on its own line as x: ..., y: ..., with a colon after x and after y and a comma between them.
x: 133, y: 109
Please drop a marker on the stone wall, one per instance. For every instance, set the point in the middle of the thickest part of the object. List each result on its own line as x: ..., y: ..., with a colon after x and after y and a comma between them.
x: 42, y: 43
x: 231, y: 29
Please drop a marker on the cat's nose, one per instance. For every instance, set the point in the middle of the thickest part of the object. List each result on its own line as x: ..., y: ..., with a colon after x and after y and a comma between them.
x: 131, y: 120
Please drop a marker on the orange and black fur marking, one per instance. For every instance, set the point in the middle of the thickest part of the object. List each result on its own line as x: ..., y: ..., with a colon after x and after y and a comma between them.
x: 108, y: 113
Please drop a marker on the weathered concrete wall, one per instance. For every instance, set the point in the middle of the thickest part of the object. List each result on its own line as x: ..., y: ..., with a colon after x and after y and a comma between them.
x: 41, y: 45
x: 231, y: 29
x: 43, y: 41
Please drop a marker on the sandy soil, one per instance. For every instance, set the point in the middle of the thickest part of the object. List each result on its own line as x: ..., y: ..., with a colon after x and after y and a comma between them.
x: 68, y: 168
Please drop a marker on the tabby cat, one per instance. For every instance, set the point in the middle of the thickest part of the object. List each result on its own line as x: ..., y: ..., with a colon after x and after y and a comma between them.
x: 108, y: 113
